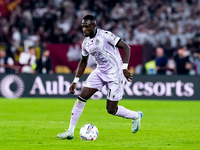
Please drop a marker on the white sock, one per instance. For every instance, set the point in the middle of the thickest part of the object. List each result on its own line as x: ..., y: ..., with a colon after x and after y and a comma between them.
x: 126, y: 113
x: 76, y: 112
x: 71, y: 127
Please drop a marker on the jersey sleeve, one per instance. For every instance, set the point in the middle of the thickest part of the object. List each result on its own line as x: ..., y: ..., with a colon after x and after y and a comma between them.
x: 111, y: 38
x: 84, y: 51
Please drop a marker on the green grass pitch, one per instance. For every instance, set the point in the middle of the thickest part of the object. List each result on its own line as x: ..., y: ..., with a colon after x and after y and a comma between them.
x: 33, y: 123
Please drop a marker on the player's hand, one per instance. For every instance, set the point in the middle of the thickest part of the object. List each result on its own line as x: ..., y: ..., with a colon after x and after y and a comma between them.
x: 72, y: 88
x: 127, y: 75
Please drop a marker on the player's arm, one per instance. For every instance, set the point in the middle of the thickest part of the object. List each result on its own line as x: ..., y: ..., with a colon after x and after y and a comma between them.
x: 126, y: 56
x: 81, y: 68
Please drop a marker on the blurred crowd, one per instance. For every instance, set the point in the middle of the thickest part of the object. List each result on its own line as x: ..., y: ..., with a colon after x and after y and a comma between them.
x: 169, y: 25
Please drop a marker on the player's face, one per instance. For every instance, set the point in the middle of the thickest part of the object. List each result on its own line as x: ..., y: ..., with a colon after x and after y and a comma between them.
x: 88, y: 28
x: 32, y: 51
x: 159, y: 52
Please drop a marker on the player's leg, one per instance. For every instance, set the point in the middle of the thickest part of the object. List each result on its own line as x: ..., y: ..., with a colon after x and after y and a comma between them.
x: 115, y: 109
x: 77, y: 110
x: 115, y: 93
x: 111, y: 106
x: 92, y: 85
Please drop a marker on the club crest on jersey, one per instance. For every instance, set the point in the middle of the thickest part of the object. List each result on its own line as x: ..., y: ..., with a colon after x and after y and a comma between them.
x: 97, y: 42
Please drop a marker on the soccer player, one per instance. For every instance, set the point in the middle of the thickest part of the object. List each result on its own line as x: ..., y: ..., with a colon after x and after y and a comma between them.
x: 111, y: 71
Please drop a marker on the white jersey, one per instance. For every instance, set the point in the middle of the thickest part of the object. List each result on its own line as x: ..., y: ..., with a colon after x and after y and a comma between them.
x: 26, y: 59
x: 103, y: 48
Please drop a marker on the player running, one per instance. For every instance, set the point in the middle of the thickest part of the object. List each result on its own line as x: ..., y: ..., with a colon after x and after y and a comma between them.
x: 111, y: 71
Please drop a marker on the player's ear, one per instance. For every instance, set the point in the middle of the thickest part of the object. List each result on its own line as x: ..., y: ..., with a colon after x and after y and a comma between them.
x: 94, y: 23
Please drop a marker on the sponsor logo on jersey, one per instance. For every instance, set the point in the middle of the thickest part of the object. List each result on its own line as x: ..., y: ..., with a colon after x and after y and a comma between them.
x: 97, y: 42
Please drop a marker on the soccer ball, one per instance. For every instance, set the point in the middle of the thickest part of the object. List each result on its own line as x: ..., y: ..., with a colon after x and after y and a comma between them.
x: 89, y: 132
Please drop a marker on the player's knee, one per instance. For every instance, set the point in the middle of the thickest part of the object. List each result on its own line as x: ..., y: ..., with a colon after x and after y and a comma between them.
x: 111, y: 111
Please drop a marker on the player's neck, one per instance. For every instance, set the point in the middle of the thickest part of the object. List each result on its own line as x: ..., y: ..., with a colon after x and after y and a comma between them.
x: 94, y: 34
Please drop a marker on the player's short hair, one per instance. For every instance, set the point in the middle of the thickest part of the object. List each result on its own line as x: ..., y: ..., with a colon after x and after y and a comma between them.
x: 89, y: 17
x: 31, y: 47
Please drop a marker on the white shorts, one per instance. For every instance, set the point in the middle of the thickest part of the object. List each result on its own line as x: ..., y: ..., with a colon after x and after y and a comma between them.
x: 114, y: 84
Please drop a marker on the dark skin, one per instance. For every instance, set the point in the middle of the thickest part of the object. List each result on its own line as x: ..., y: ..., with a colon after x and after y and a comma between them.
x: 89, y: 29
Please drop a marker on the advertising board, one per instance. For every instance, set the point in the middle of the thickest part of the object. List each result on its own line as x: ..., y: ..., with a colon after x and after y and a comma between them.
x: 142, y: 87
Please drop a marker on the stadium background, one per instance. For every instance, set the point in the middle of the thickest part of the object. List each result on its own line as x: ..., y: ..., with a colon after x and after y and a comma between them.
x: 42, y: 102
x: 55, y: 26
